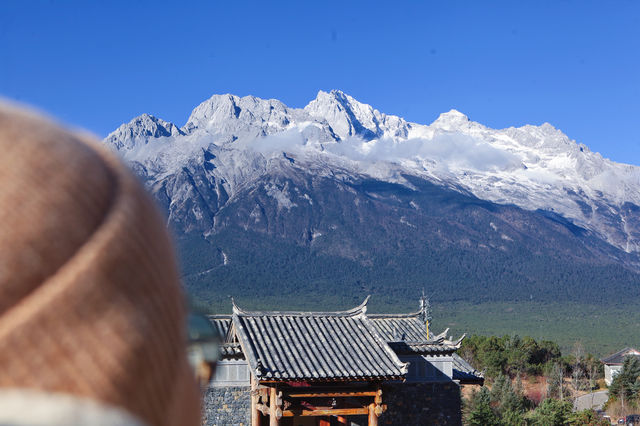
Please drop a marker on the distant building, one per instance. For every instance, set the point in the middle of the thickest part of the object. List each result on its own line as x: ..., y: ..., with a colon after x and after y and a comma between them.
x: 613, y: 363
x: 334, y: 368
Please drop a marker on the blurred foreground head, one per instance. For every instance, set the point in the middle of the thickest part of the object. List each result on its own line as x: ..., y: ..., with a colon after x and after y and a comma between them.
x: 91, y: 313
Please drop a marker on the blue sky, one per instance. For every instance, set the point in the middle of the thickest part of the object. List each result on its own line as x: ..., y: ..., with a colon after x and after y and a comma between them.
x: 98, y: 64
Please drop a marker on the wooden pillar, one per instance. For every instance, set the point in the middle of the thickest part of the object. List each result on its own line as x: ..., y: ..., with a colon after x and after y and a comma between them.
x: 275, y: 411
x: 255, y: 414
x: 373, y: 419
x: 378, y: 409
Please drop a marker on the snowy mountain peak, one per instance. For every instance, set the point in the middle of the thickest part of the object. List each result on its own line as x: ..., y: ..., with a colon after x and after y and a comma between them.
x: 452, y: 120
x: 337, y: 96
x: 232, y: 114
x: 216, y: 109
x: 140, y: 130
x: 348, y: 117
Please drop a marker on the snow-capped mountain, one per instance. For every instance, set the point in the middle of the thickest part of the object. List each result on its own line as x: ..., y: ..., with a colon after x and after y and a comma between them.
x: 229, y: 143
x: 338, y: 199
x: 140, y: 130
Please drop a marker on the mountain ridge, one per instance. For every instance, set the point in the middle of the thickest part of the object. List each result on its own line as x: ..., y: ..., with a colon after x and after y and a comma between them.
x: 533, y: 167
x: 270, y: 204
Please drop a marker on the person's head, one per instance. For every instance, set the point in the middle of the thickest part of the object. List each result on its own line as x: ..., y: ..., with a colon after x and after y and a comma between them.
x: 91, y: 309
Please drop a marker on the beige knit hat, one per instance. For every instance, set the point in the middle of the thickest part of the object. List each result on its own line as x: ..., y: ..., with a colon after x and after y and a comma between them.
x: 90, y: 303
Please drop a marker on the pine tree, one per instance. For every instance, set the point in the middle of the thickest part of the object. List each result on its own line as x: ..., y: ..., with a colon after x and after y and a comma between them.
x: 480, y: 412
x: 626, y: 384
x: 500, y: 387
x: 550, y: 412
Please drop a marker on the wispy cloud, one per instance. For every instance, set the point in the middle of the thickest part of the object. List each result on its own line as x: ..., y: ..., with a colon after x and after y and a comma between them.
x: 450, y: 150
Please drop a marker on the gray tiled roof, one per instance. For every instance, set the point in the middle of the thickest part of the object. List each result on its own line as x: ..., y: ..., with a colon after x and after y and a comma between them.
x: 464, y: 372
x: 401, y: 327
x: 231, y: 350
x: 407, y: 333
x: 618, y: 357
x: 222, y: 323
x: 289, y: 346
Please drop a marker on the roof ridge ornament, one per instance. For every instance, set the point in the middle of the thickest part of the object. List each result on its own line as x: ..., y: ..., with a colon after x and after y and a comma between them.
x: 458, y: 342
x: 236, y: 309
x: 442, y: 335
x: 425, y: 311
x: 363, y: 306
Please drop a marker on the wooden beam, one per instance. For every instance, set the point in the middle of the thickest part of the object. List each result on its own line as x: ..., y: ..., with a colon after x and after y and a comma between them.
x: 273, y: 408
x: 263, y: 393
x: 332, y: 412
x: 265, y: 410
x: 373, y: 419
x: 328, y: 394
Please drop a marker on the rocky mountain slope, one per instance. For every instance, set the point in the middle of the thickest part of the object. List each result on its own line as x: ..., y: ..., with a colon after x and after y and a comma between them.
x: 351, y: 199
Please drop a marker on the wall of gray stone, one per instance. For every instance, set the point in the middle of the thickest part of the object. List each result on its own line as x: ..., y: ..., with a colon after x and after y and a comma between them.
x: 225, y: 406
x: 407, y: 404
x: 422, y: 404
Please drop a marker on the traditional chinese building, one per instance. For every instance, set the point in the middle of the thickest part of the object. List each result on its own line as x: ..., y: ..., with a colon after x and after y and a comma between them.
x: 613, y: 363
x: 334, y: 368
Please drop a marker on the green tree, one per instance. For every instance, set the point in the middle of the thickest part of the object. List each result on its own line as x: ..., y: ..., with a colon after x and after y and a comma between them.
x: 626, y: 385
x: 548, y: 351
x: 479, y: 411
x: 509, y: 355
x: 500, y: 386
x: 513, y: 409
x: 492, y: 355
x: 508, y: 401
x: 587, y: 418
x: 550, y: 412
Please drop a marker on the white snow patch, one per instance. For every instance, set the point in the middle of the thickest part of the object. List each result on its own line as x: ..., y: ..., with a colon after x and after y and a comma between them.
x: 308, y: 198
x: 404, y: 221
x: 255, y: 214
x: 280, y: 195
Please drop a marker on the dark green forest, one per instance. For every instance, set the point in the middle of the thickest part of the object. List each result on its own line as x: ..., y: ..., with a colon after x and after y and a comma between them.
x: 259, y: 279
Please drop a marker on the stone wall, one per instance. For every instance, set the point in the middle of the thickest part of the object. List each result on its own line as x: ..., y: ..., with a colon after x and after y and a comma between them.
x: 222, y: 406
x: 422, y: 404
x: 407, y: 404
